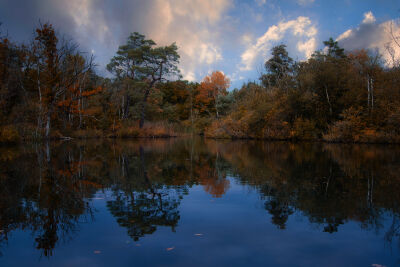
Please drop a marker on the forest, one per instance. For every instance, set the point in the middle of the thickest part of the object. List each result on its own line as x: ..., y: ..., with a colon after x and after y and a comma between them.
x: 51, y: 90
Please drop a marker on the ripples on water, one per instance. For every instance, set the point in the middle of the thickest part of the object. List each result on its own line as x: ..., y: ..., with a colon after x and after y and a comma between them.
x: 199, y: 202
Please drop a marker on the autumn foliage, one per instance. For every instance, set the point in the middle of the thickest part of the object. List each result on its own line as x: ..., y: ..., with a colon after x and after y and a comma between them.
x: 50, y: 89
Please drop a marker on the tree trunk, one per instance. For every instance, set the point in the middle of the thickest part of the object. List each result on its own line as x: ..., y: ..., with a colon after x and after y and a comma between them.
x: 39, y: 119
x: 216, y: 106
x: 369, y: 91
x: 191, y: 108
x: 372, y: 94
x: 329, y: 101
x: 143, y: 111
x: 80, y: 105
x: 48, y: 125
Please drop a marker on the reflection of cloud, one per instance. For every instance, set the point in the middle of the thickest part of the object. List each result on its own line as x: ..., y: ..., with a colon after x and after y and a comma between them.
x: 372, y: 35
x: 301, y: 29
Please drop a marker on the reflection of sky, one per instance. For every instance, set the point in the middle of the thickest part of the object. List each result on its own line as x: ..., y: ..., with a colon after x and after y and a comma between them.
x: 211, y: 34
x: 236, y: 231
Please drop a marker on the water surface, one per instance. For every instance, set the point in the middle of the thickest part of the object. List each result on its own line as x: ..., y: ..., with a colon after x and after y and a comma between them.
x: 180, y: 202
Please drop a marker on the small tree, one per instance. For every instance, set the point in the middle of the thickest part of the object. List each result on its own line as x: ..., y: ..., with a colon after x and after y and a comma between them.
x: 211, y: 89
x: 58, y: 68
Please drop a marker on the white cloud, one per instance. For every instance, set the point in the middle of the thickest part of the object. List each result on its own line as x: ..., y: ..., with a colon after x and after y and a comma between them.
x: 307, y: 47
x: 301, y: 29
x: 374, y: 36
x: 194, y: 26
x: 345, y: 35
x: 189, y: 76
x: 368, y: 18
x: 261, y: 2
x: 89, y: 23
x: 305, y: 2
x: 246, y: 38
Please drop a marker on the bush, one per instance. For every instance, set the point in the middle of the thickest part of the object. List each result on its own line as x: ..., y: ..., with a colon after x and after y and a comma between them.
x: 87, y: 133
x: 347, y: 130
x: 216, y: 130
x: 9, y: 134
x: 304, y: 129
x: 150, y: 129
x: 277, y: 130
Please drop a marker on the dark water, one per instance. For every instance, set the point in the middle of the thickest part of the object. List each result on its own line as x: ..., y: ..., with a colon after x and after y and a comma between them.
x: 184, y: 202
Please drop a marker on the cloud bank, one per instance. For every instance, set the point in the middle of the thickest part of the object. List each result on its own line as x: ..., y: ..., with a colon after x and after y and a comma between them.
x: 374, y: 36
x: 101, y: 26
x: 301, y: 30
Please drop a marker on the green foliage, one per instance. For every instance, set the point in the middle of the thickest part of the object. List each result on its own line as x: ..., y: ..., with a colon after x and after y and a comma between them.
x: 335, y: 95
x: 279, y: 67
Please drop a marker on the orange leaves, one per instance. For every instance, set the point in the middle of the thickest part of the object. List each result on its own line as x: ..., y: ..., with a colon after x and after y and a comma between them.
x: 214, y: 85
x: 96, y: 90
x: 210, y: 89
x: 71, y: 102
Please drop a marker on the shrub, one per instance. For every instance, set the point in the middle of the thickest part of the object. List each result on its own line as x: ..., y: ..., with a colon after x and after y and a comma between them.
x: 9, y: 134
x: 150, y: 129
x: 304, y: 129
x: 217, y: 130
x: 347, y: 130
x: 277, y: 130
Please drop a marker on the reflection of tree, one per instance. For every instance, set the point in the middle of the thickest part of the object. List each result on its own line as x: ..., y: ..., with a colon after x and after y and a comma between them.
x: 280, y: 212
x: 212, y: 175
x: 142, y: 212
x: 45, y: 195
x: 330, y: 185
x: 146, y: 204
x: 394, y: 230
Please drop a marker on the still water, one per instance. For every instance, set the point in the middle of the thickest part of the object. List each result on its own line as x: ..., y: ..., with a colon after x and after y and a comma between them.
x: 194, y: 202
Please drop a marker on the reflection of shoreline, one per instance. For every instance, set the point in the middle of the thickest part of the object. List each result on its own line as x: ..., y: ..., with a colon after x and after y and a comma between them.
x: 329, y: 184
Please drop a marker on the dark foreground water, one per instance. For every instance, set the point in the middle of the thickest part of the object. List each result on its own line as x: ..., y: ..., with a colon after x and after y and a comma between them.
x: 193, y: 202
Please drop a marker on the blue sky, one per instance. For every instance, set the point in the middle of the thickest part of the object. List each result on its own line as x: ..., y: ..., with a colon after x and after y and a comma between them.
x: 228, y: 35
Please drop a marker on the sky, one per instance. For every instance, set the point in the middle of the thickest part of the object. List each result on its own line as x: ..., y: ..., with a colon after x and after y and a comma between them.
x: 232, y: 36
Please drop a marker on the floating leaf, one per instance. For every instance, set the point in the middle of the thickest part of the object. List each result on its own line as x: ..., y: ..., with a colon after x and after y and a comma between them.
x: 198, y: 234
x: 169, y: 249
x: 97, y: 252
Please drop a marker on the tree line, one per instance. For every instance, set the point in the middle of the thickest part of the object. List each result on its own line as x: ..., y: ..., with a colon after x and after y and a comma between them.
x: 50, y: 89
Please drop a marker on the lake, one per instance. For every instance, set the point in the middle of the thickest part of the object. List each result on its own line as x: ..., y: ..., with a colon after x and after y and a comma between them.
x: 196, y: 202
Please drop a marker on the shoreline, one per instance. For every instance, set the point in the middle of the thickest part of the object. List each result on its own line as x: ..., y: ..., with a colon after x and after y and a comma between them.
x: 289, y: 140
